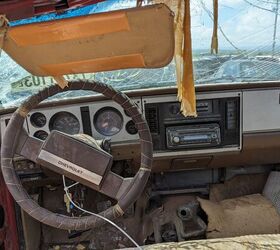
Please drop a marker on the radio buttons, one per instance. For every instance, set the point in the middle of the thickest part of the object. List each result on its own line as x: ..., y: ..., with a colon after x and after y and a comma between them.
x: 176, y: 139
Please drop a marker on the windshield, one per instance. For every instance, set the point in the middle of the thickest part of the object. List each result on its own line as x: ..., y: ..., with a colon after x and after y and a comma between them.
x: 248, y: 51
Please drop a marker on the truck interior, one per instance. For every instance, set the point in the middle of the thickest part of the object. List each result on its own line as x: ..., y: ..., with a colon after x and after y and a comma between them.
x: 139, y: 124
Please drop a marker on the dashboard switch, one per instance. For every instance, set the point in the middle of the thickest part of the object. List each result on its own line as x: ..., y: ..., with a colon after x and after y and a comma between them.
x: 231, y: 114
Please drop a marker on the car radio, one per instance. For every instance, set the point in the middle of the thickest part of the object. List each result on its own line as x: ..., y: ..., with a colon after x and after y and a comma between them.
x: 216, y: 126
x: 190, y: 136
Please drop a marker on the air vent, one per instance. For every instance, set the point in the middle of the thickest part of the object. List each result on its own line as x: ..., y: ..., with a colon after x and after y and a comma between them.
x: 204, y: 106
x: 151, y: 114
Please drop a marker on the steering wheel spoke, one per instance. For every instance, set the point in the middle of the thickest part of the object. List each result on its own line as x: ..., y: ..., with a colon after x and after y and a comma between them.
x: 28, y: 147
x: 114, y: 185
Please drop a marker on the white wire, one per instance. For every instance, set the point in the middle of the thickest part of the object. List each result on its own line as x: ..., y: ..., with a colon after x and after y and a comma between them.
x: 97, y: 215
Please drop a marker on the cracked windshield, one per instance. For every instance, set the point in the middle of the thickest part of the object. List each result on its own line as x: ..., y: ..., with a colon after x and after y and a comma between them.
x: 248, y: 38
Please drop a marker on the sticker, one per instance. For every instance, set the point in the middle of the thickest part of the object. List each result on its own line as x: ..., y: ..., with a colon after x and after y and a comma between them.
x: 32, y: 83
x: 36, y: 83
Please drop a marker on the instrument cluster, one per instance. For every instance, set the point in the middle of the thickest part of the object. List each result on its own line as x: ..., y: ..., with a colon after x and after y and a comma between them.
x: 101, y: 120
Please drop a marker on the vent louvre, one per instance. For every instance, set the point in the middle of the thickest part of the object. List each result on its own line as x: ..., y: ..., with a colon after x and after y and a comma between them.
x: 151, y: 114
x: 203, y: 107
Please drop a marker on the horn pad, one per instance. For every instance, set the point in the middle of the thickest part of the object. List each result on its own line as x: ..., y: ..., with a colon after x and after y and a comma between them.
x: 71, y: 157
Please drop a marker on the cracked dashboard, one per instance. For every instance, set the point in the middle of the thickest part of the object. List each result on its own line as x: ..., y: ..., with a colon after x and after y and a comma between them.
x: 227, y: 130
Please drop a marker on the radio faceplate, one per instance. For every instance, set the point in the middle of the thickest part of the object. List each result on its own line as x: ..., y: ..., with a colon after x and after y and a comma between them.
x: 191, y: 136
x: 218, y: 117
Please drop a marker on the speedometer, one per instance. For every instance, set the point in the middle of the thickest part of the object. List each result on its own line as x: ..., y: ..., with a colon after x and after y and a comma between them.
x: 108, y: 121
x: 65, y: 122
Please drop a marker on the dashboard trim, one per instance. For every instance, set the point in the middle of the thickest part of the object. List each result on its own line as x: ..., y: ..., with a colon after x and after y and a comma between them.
x: 159, y: 91
x: 160, y: 155
x: 204, y: 96
x: 261, y: 115
x: 211, y: 90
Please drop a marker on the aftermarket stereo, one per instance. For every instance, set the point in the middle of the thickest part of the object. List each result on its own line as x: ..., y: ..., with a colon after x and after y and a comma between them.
x: 191, y: 136
x: 216, y: 126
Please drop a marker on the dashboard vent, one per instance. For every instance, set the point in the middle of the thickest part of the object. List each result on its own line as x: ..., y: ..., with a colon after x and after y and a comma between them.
x: 204, y: 106
x: 151, y: 114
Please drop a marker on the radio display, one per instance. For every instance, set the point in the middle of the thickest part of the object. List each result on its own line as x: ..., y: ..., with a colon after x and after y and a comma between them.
x: 195, y: 138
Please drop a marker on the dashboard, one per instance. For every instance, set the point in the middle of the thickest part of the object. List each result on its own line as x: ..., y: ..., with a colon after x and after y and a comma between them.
x: 233, y: 126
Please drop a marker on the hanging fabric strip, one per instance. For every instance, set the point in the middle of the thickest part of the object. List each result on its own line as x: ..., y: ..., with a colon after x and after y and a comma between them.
x: 4, y: 25
x: 61, y: 81
x: 183, y: 54
x: 179, y: 37
x: 214, y: 43
x: 139, y: 3
x: 186, y: 89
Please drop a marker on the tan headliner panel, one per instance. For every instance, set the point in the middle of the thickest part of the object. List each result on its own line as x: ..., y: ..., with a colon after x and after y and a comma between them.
x: 133, y: 38
x: 73, y: 28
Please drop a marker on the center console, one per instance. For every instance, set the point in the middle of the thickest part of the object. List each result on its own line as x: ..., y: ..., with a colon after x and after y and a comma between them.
x: 217, y: 126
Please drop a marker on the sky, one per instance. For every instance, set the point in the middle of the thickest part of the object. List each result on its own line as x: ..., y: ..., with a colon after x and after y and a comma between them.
x: 247, y: 27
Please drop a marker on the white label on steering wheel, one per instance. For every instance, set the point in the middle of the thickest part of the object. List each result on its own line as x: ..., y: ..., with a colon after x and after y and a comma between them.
x: 70, y: 167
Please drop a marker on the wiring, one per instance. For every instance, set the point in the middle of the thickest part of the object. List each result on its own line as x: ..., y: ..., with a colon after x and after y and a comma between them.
x: 97, y: 215
x: 210, y: 14
x: 259, y: 7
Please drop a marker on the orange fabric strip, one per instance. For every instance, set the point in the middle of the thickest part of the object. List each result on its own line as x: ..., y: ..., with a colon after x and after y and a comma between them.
x: 187, y: 94
x: 61, y: 81
x: 139, y: 3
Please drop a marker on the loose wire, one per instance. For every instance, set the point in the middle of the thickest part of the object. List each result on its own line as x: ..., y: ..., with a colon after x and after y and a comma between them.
x: 97, y: 215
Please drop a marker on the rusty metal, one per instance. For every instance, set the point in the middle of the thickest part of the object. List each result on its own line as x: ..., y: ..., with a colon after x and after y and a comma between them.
x: 178, y: 214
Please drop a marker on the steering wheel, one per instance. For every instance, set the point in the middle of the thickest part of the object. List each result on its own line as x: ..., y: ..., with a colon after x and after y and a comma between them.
x: 124, y: 190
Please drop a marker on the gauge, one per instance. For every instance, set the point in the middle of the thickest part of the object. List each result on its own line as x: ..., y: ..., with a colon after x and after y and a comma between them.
x: 38, y: 120
x: 41, y: 134
x: 65, y: 122
x: 108, y: 121
x: 130, y: 128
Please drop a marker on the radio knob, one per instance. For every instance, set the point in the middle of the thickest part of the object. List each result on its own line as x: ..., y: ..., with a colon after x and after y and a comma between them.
x: 176, y: 139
